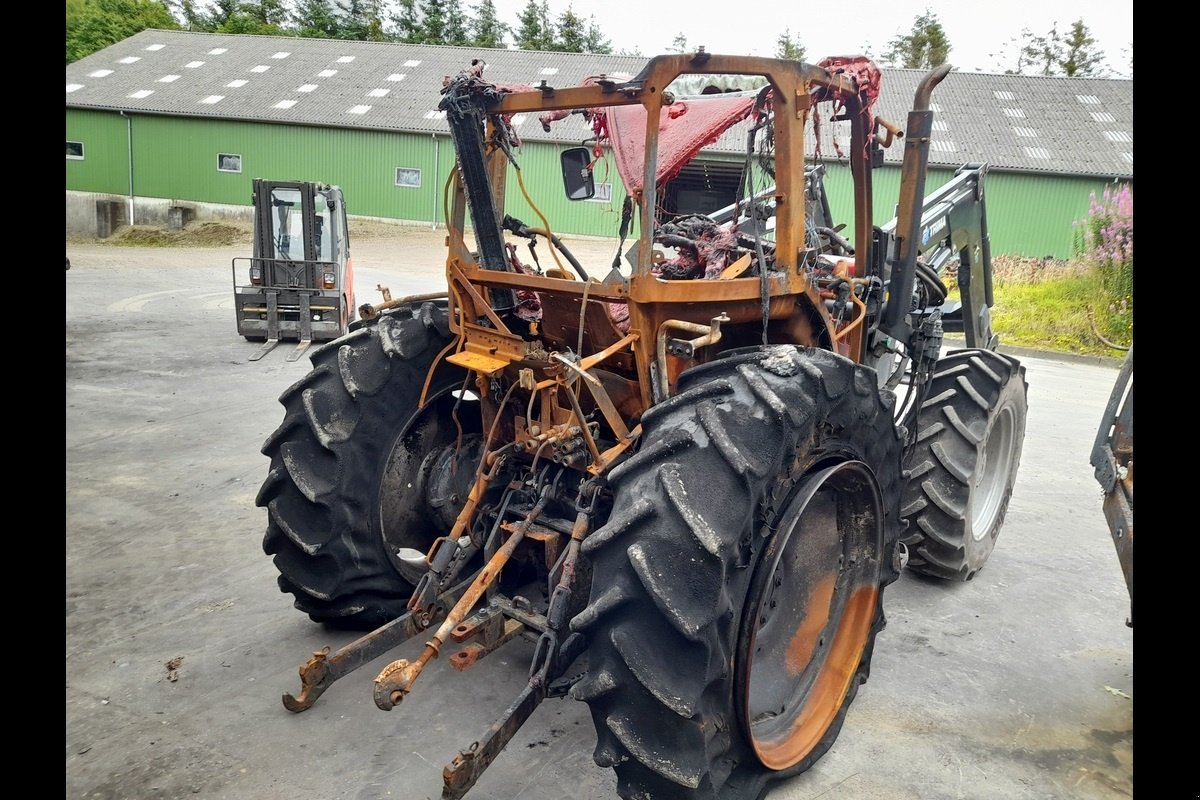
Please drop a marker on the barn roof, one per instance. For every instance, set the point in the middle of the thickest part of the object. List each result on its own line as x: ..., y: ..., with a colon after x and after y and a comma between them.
x: 1052, y: 125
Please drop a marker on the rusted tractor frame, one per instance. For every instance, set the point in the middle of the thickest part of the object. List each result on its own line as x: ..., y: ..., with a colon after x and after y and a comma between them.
x: 1112, y: 458
x: 577, y: 385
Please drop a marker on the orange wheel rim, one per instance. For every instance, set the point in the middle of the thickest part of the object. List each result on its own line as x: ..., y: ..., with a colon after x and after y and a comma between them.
x: 810, y: 613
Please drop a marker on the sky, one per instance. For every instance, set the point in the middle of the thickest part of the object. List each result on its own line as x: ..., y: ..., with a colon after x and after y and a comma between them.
x: 979, y: 33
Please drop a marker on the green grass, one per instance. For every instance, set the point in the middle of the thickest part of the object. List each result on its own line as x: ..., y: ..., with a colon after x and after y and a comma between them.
x: 1045, y: 305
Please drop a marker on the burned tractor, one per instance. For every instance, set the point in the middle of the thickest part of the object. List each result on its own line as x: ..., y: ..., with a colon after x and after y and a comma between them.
x: 688, y: 475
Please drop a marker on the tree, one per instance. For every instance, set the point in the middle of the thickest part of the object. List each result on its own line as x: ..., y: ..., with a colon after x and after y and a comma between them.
x: 95, y: 24
x: 1072, y: 54
x: 533, y: 28
x: 265, y: 17
x: 315, y: 19
x: 786, y: 46
x: 1042, y: 53
x: 186, y: 13
x: 219, y: 15
x: 456, y: 25
x: 406, y: 22
x: 1080, y: 56
x: 485, y: 27
x: 267, y: 13
x: 433, y: 15
x: 925, y: 47
x: 595, y: 41
x: 678, y: 44
x: 570, y: 34
x: 362, y: 20
x: 1012, y: 57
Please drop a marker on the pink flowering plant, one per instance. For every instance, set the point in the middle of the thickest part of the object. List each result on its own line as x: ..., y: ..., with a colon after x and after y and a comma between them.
x: 1105, y: 242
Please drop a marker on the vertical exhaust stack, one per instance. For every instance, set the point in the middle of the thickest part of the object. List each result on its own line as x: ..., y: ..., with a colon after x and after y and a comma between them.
x: 902, y: 264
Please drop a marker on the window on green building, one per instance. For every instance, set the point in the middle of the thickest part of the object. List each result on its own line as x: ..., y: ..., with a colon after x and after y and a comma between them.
x: 408, y: 177
x: 229, y: 162
x: 75, y: 151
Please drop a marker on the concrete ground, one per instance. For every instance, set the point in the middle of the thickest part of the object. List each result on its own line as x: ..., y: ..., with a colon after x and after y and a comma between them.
x: 179, y: 645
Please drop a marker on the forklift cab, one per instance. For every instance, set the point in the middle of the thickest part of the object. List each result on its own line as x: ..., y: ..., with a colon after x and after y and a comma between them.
x: 299, y: 284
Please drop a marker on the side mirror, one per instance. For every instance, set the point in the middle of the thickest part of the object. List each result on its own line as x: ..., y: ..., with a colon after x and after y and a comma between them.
x: 577, y: 178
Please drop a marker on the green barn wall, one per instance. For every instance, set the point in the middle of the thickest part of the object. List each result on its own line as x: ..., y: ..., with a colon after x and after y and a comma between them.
x: 105, y: 165
x: 1027, y: 215
x: 176, y: 158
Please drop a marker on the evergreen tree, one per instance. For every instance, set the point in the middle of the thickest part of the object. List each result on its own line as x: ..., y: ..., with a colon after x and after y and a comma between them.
x: 925, y: 47
x: 595, y: 41
x: 570, y: 34
x: 1079, y: 55
x: 221, y: 14
x: 314, y: 19
x: 406, y: 23
x: 533, y: 27
x: 269, y: 14
x: 787, y: 46
x: 362, y: 20
x: 95, y: 24
x: 678, y: 44
x: 434, y: 21
x: 456, y: 24
x: 485, y: 28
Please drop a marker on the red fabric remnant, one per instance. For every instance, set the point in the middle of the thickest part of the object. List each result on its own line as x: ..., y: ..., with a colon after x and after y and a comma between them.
x: 619, y: 314
x: 868, y: 77
x: 529, y: 305
x: 683, y: 129
x: 862, y: 69
x: 594, y: 118
x: 509, y: 130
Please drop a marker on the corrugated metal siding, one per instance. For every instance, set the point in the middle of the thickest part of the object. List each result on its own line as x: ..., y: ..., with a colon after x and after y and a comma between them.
x: 105, y: 165
x: 1027, y: 215
x: 175, y: 158
x: 542, y: 174
x: 1035, y: 215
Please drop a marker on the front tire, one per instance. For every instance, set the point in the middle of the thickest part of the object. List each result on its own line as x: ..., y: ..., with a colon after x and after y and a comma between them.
x: 970, y: 431
x: 715, y: 521
x: 346, y: 487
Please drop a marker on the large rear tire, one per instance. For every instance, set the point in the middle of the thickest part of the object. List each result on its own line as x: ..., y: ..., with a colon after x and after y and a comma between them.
x: 346, y: 486
x: 970, y: 430
x: 737, y: 584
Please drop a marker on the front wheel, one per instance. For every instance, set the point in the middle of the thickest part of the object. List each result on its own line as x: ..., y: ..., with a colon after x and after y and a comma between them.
x: 970, y: 431
x: 737, y: 584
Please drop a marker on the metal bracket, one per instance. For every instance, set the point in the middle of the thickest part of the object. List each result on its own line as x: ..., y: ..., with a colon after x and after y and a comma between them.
x: 320, y: 671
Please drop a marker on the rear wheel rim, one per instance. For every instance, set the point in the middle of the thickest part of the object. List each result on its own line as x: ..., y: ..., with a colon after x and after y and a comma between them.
x: 991, y: 487
x: 406, y: 521
x: 810, y: 613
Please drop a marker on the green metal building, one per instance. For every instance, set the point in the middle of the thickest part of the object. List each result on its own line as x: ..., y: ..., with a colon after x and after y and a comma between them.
x: 177, y: 120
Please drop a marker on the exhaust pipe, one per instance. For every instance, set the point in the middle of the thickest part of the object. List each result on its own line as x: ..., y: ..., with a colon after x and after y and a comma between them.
x: 903, y: 263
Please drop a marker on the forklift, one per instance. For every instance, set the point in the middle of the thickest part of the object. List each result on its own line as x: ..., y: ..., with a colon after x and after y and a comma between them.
x: 299, y: 284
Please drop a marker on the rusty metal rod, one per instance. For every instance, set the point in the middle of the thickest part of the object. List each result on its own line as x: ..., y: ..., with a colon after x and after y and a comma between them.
x: 465, y: 770
x: 320, y: 671
x: 396, y: 679
x: 709, y: 334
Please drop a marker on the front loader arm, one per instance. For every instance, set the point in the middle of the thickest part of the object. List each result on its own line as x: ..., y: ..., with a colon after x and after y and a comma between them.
x: 952, y: 229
